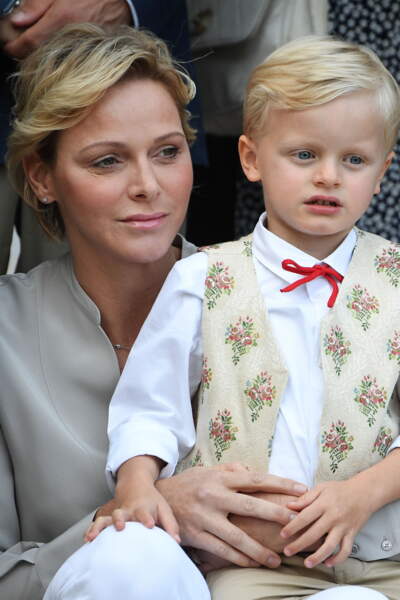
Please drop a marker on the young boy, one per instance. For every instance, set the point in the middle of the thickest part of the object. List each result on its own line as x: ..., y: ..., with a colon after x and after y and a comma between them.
x: 294, y: 337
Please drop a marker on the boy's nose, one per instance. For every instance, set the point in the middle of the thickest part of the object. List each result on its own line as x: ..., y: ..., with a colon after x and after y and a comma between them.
x: 326, y: 174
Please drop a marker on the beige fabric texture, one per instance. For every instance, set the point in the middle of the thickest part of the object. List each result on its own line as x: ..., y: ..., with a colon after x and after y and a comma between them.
x: 292, y: 581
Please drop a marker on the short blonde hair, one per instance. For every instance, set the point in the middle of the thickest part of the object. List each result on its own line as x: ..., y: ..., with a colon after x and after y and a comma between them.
x: 58, y: 84
x: 313, y: 70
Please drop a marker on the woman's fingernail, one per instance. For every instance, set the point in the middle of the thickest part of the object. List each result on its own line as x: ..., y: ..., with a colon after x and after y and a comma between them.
x: 309, y: 563
x: 299, y: 487
x: 287, y: 552
x: 273, y: 561
x: 292, y: 516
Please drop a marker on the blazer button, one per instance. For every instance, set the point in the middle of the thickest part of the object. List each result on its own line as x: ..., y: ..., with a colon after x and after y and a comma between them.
x: 386, y: 545
x: 355, y: 548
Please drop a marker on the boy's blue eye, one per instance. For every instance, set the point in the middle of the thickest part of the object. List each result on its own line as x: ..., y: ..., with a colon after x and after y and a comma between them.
x: 355, y: 160
x: 304, y: 155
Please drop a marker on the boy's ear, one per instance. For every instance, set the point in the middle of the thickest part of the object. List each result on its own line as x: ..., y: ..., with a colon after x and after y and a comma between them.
x: 385, y: 167
x: 248, y: 158
x: 38, y: 174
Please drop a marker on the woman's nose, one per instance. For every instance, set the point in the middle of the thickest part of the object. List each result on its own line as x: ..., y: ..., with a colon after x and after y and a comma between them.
x: 143, y: 183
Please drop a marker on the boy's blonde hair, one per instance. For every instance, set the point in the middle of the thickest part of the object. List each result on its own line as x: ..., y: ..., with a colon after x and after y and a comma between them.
x: 59, y: 83
x: 313, y: 70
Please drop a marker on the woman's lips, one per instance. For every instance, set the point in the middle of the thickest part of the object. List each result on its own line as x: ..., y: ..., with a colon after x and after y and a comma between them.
x: 145, y: 221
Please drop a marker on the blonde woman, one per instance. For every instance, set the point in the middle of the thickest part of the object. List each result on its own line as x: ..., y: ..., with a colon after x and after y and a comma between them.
x: 99, y: 149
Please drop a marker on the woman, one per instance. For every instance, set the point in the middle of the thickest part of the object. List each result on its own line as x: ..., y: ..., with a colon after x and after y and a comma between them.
x: 99, y: 149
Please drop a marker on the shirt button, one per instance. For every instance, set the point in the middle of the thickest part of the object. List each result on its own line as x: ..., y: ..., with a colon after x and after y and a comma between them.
x: 386, y: 545
x: 355, y: 548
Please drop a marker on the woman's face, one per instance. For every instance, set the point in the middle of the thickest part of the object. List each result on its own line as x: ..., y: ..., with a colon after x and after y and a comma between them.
x: 123, y: 176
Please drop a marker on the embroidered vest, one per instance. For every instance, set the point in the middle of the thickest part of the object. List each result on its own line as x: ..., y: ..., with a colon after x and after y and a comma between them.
x: 244, y: 376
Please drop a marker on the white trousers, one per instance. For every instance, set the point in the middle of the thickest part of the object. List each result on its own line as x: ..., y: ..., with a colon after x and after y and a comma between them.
x: 348, y: 592
x: 134, y: 564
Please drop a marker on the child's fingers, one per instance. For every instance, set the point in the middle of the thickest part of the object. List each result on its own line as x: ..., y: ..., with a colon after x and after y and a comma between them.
x: 304, y: 500
x: 167, y: 520
x: 345, y: 551
x: 307, y: 539
x: 119, y: 519
x: 325, y: 551
x: 302, y: 520
x: 96, y: 527
x: 142, y: 515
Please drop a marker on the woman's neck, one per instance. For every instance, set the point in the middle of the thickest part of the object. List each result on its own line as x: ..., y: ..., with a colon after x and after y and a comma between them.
x: 124, y: 294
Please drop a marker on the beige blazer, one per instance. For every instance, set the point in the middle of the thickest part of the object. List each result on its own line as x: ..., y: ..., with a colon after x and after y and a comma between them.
x: 58, y: 371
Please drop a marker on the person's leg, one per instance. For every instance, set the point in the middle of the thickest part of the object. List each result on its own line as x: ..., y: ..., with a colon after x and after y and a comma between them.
x: 134, y: 564
x: 348, y: 592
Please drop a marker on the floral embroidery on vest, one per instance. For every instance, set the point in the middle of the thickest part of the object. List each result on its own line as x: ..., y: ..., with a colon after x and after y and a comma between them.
x: 362, y: 305
x: 383, y: 441
x: 242, y: 337
x: 393, y: 347
x: 248, y: 248
x: 337, y: 441
x: 197, y: 460
x: 388, y: 262
x: 222, y: 432
x: 269, y: 446
x: 206, y: 374
x: 370, y: 397
x: 260, y: 393
x: 218, y: 282
x: 338, y: 347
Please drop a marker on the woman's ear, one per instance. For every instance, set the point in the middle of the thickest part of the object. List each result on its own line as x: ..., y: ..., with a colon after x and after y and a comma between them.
x: 38, y: 175
x: 385, y: 167
x: 248, y: 158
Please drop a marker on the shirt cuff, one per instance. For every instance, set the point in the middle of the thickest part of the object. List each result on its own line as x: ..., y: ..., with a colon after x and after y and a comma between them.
x: 137, y: 440
x: 395, y: 444
x: 135, y: 18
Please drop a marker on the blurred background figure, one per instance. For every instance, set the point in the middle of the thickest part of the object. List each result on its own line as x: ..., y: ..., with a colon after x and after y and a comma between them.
x: 23, y: 26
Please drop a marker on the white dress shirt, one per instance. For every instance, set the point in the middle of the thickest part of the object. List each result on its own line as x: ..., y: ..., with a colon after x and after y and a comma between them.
x: 150, y: 412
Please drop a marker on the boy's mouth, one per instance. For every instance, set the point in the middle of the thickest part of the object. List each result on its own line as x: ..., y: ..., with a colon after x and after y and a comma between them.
x: 323, y: 201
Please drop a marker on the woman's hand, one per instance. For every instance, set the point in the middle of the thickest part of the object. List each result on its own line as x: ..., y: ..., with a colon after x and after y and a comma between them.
x: 202, y: 498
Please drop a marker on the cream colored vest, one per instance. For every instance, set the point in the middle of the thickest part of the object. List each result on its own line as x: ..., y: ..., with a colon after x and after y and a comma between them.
x: 244, y: 376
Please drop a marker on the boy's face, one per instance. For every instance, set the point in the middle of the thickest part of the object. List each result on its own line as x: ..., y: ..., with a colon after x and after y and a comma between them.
x: 319, y: 169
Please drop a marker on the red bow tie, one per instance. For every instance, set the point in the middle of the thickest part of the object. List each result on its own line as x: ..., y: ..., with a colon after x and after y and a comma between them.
x: 311, y: 273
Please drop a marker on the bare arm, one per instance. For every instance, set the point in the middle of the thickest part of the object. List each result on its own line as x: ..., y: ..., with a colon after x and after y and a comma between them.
x: 36, y: 20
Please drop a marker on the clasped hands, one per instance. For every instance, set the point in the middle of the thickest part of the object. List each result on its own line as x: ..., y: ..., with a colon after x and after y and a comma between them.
x: 226, y: 512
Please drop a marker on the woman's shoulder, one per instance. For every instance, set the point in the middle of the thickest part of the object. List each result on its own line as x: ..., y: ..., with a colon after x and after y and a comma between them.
x: 19, y: 288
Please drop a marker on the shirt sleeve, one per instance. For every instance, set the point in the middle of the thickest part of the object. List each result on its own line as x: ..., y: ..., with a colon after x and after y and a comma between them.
x: 150, y: 411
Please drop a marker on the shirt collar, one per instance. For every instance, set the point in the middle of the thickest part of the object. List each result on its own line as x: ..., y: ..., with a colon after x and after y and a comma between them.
x: 271, y: 250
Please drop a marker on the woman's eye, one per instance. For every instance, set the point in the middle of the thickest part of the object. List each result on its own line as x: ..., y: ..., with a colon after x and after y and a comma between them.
x: 168, y: 152
x: 106, y: 161
x: 304, y: 155
x: 353, y: 159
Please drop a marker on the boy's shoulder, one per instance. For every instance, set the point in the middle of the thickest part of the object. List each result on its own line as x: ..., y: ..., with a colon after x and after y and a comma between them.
x: 371, y: 242
x: 241, y: 247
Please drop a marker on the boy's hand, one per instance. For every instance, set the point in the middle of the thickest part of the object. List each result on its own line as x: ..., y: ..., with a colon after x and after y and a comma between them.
x: 137, y: 499
x: 147, y: 507
x: 334, y: 509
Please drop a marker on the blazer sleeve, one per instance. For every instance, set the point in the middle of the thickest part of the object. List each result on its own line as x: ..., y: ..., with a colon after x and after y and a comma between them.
x: 26, y: 567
